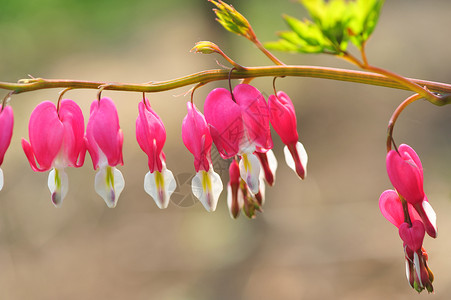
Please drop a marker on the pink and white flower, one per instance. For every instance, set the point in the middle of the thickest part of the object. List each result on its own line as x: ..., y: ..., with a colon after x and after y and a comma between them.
x: 406, y: 174
x: 283, y: 119
x: 239, y: 125
x: 411, y: 230
x: 206, y: 185
x: 6, y: 125
x: 104, y: 140
x: 56, y: 142
x: 159, y: 182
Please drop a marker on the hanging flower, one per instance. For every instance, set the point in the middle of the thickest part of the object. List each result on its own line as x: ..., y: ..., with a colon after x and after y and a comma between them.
x: 206, y: 185
x: 239, y: 125
x: 411, y: 230
x: 6, y: 132
x: 56, y: 142
x: 104, y: 142
x: 406, y: 174
x: 283, y: 119
x: 159, y: 182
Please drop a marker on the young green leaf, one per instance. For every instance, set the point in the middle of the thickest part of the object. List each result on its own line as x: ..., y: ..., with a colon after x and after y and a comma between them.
x: 365, y: 16
x: 332, y: 18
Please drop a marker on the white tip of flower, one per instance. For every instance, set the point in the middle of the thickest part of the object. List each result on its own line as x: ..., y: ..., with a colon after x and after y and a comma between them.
x: 407, y: 271
x: 272, y: 163
x: 109, y: 184
x: 58, y: 183
x: 303, y: 157
x: 416, y: 262
x: 430, y: 213
x: 262, y: 187
x: 160, y: 186
x: 250, y: 171
x: 1, y: 179
x: 207, y: 186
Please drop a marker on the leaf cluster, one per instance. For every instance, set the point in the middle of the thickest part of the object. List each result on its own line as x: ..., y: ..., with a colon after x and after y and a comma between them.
x: 334, y: 24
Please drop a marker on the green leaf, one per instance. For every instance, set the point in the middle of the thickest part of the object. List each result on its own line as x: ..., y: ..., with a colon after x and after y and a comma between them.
x: 305, y: 37
x: 335, y: 24
x: 332, y: 18
x: 365, y: 16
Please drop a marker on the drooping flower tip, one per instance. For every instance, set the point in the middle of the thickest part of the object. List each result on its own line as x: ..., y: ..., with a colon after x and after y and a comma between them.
x: 296, y: 158
x: 268, y: 163
x: 234, y: 194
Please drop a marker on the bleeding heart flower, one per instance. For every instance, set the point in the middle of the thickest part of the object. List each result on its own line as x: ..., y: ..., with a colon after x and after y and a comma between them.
x: 283, y: 119
x: 6, y: 125
x: 406, y: 174
x: 104, y: 140
x: 417, y: 272
x: 56, y: 142
x: 239, y: 125
x: 159, y: 182
x: 206, y: 185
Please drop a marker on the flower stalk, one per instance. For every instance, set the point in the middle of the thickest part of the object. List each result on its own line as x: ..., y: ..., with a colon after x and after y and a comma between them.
x: 206, y: 76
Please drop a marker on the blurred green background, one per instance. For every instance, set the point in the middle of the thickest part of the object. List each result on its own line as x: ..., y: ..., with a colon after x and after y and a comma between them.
x: 317, y: 239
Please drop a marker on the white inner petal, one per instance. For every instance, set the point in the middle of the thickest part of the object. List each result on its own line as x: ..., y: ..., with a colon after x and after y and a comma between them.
x: 207, y: 186
x: 416, y: 262
x: 407, y: 271
x: 272, y: 162
x: 303, y: 157
x: 430, y: 213
x: 160, y: 186
x: 58, y: 183
x: 1, y: 179
x: 109, y: 184
x: 250, y: 171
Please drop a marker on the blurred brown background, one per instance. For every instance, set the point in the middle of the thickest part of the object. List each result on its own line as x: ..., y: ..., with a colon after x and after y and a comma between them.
x: 317, y: 239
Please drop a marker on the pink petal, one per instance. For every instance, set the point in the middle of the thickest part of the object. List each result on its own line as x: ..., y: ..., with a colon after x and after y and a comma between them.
x: 391, y: 208
x: 255, y: 114
x: 406, y: 174
x: 283, y: 117
x: 412, y: 236
x: 197, y: 138
x: 6, y: 125
x: 74, y: 129
x: 46, y: 136
x: 151, y: 135
x: 103, y: 133
x: 226, y: 124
